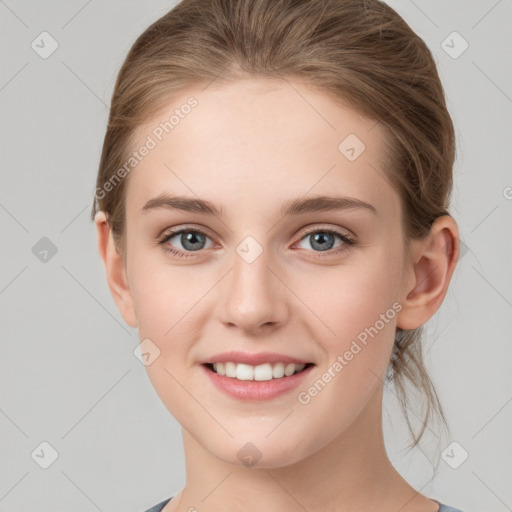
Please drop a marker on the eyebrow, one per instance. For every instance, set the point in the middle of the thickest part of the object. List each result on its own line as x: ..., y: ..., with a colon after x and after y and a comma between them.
x: 297, y: 206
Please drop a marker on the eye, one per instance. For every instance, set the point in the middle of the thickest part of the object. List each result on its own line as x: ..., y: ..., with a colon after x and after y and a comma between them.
x: 191, y: 240
x: 324, y: 240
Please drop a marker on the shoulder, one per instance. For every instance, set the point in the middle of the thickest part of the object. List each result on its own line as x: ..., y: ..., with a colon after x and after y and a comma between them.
x: 446, y: 508
x: 159, y: 506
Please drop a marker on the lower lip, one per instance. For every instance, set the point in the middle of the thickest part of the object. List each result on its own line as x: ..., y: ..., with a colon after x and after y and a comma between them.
x: 254, y: 390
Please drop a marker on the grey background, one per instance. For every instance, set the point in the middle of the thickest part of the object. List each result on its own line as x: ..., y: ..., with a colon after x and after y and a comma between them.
x: 68, y: 373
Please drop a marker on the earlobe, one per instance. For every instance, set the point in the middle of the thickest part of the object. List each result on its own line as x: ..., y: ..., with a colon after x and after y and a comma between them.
x: 115, y: 270
x: 430, y: 272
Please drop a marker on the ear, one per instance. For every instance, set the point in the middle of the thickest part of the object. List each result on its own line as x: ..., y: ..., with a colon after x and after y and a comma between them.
x: 115, y: 270
x: 429, y: 273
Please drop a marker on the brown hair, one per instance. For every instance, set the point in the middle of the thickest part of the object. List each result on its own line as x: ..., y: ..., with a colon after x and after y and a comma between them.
x: 358, y: 51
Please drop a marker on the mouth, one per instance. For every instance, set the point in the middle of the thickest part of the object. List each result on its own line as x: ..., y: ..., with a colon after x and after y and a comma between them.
x: 261, y: 373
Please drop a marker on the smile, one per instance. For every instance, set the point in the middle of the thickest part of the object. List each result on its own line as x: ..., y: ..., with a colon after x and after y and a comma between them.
x: 262, y: 372
x: 249, y: 383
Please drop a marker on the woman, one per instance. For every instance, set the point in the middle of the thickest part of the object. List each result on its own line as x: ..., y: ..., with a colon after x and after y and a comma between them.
x: 272, y: 213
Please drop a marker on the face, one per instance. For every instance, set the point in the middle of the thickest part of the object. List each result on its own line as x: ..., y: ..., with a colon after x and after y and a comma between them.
x: 318, y: 283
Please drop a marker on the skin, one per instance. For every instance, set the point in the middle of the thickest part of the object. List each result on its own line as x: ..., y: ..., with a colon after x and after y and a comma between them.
x: 250, y: 145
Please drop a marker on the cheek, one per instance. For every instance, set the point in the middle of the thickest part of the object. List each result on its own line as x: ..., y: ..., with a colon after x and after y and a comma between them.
x: 165, y: 300
x: 161, y: 295
x: 171, y: 305
x: 350, y: 298
x: 357, y: 307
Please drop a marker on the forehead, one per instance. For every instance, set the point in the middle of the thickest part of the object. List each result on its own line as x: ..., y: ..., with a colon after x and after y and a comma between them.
x: 260, y: 139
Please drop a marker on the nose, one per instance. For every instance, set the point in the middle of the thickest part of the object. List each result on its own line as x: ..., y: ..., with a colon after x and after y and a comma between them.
x: 254, y: 298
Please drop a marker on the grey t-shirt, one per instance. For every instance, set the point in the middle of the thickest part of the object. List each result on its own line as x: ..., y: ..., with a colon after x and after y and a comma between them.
x: 161, y: 505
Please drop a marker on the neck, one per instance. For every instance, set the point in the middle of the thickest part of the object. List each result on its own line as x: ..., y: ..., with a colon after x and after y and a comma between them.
x: 351, y: 473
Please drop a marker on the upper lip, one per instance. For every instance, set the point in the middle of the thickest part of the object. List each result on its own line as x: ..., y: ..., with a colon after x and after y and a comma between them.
x: 253, y: 359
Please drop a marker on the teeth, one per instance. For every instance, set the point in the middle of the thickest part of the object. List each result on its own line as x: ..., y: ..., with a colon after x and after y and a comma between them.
x: 261, y: 372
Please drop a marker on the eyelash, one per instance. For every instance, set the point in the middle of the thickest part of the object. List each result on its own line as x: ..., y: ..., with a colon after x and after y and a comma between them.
x: 346, y: 239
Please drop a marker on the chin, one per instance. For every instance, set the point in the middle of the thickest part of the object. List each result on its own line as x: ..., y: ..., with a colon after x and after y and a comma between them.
x: 258, y: 454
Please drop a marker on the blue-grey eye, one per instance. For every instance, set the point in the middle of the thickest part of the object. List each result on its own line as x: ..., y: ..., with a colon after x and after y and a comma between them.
x: 323, y: 240
x: 189, y: 240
